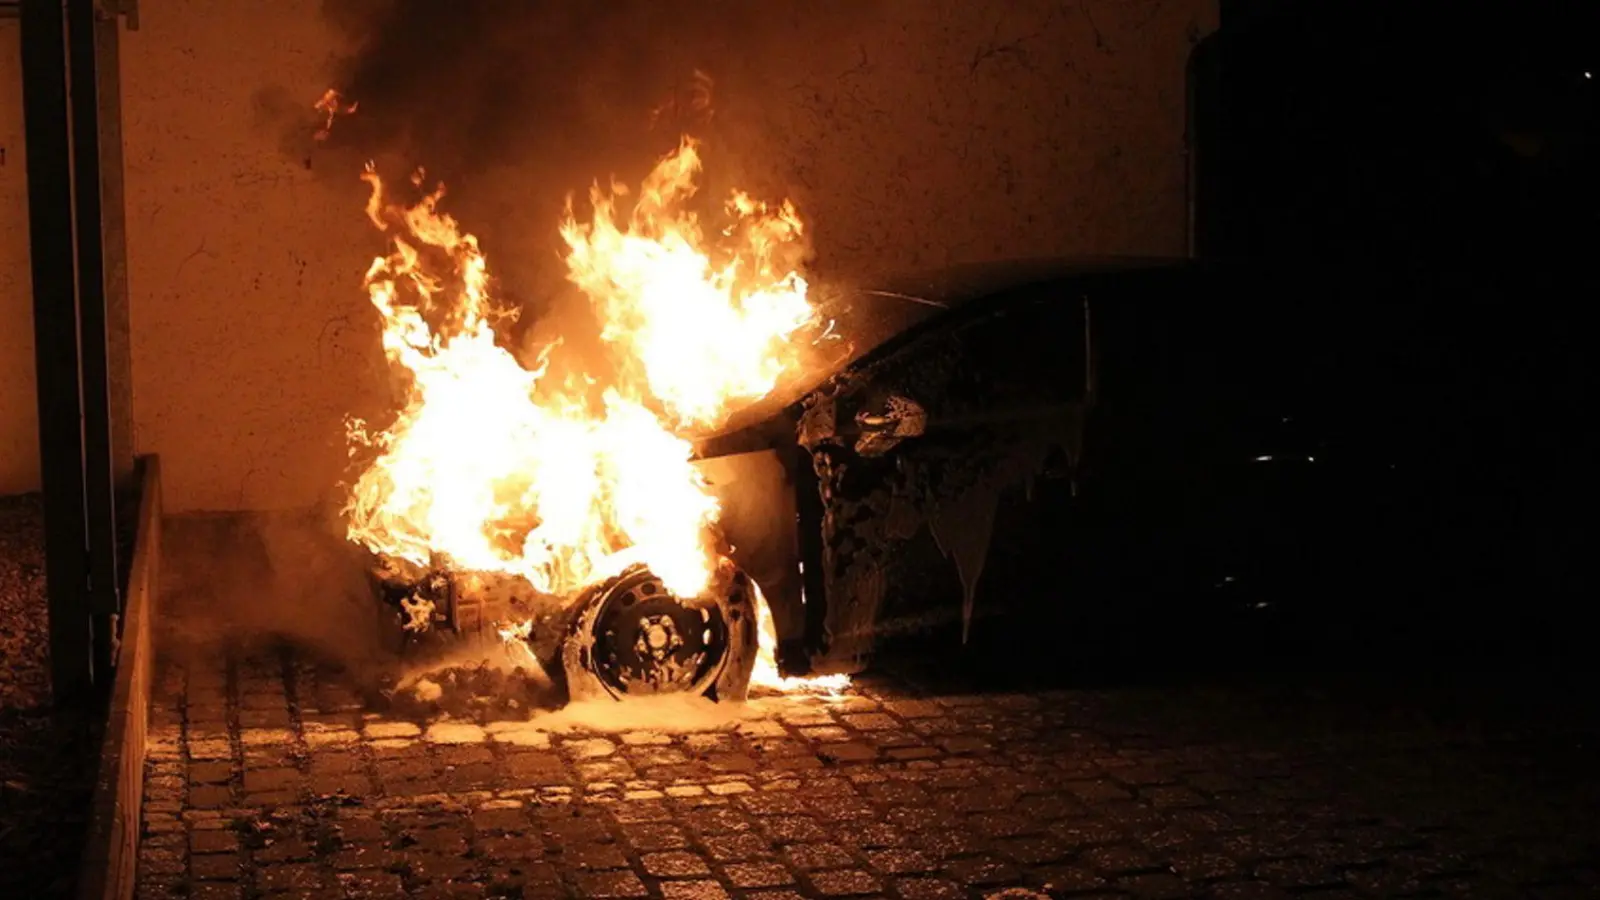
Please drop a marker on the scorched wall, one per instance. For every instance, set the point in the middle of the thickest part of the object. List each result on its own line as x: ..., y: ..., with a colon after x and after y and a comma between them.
x: 911, y: 133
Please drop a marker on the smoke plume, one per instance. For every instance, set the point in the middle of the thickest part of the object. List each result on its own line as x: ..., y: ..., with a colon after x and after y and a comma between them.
x: 516, y: 106
x: 245, y: 581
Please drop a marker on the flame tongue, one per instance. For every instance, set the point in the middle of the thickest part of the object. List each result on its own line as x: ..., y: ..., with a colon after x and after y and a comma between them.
x: 707, y: 327
x: 492, y: 469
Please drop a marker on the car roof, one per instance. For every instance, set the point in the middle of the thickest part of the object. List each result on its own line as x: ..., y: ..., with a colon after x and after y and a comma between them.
x: 870, y: 314
x: 955, y: 284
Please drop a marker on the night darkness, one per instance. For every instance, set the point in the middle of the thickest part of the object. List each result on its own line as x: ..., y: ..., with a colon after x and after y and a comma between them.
x: 1255, y: 572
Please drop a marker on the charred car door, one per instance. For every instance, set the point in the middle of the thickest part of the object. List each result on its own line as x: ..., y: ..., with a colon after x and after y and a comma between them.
x: 917, y: 448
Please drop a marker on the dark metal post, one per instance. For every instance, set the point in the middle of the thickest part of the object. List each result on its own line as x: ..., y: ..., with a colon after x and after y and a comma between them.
x: 108, y: 76
x: 55, y: 323
x: 99, y: 481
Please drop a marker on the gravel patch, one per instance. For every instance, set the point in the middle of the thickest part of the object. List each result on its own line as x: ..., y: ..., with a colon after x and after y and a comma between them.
x: 24, y: 627
x: 47, y: 756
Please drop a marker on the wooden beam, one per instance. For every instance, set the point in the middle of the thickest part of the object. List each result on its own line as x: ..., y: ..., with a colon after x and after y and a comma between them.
x: 111, y: 848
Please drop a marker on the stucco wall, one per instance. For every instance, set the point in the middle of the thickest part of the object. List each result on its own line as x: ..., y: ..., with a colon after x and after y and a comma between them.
x: 911, y: 132
x: 19, y: 414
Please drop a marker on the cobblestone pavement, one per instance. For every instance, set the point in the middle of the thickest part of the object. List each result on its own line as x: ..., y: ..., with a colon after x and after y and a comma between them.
x: 267, y: 779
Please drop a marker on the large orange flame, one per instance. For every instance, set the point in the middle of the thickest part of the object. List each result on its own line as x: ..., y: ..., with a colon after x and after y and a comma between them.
x: 708, y: 326
x: 488, y: 468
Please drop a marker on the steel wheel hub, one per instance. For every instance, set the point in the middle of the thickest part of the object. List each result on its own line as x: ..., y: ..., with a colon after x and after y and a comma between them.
x: 633, y: 637
x: 649, y: 641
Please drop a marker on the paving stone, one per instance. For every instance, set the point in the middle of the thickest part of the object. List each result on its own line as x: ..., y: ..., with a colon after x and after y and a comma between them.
x: 793, y: 829
x: 693, y: 890
x: 275, y: 717
x: 1035, y: 850
x: 592, y: 856
x: 499, y: 820
x: 437, y: 868
x: 1158, y: 886
x: 844, y: 882
x: 900, y: 862
x: 519, y: 734
x: 719, y: 820
x: 588, y: 748
x: 806, y: 857
x: 454, y: 733
x: 329, y: 762
x: 1119, y: 859
x: 535, y: 768
x: 364, y: 855
x: 212, y: 841
x: 870, y: 721
x: 871, y: 834
x: 291, y: 849
x: 210, y: 797
x: 353, y: 784
x: 266, y: 737
x: 848, y: 752
x: 651, y: 836
x: 1156, y: 794
x: 271, y: 798
x: 757, y: 875
x: 843, y: 809
x: 929, y: 889
x: 381, y: 729
x: 826, y: 733
x: 446, y: 840
x: 915, y: 709
x: 289, y: 877
x: 510, y: 848
x: 673, y: 864
x: 210, y: 772
x: 273, y: 779
x: 607, y: 770
x: 158, y: 862
x: 1067, y: 879
x: 1248, y: 890
x: 730, y: 847
x: 450, y: 890
x: 611, y: 884
x: 982, y: 870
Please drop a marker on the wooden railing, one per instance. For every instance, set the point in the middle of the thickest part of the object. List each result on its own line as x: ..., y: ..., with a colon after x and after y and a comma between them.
x: 111, y: 853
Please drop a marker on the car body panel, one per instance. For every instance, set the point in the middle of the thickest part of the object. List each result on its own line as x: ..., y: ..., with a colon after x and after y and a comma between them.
x: 1103, y: 445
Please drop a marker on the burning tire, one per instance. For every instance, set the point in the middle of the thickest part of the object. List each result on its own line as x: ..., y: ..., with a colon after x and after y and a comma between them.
x: 631, y: 637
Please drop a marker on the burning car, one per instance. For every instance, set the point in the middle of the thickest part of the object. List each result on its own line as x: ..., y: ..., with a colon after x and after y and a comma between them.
x: 551, y: 500
x: 1083, y: 443
x: 765, y: 479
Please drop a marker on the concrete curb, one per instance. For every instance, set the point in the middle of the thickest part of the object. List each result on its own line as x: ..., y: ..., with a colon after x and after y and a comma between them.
x: 111, y: 853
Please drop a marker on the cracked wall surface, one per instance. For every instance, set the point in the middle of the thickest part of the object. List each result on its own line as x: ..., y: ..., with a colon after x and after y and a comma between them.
x: 912, y: 133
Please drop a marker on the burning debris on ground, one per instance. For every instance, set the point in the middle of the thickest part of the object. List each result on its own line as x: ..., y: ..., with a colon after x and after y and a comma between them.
x: 480, y: 692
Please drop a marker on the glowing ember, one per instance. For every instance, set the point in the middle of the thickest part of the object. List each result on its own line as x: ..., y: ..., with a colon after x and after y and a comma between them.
x: 331, y: 106
x: 489, y: 467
